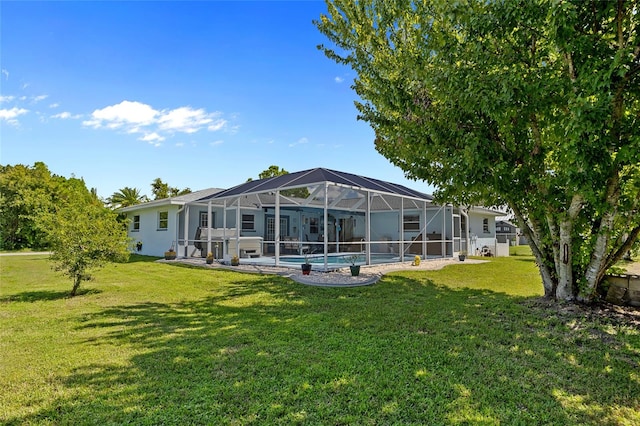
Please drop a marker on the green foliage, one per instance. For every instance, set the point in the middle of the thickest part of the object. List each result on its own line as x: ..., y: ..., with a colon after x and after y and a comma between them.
x: 157, y: 344
x: 82, y: 234
x: 25, y: 194
x: 274, y: 171
x: 126, y: 197
x: 161, y: 190
x: 530, y: 104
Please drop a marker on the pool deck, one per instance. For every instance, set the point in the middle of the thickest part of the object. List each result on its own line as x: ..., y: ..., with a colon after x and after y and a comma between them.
x: 336, y: 278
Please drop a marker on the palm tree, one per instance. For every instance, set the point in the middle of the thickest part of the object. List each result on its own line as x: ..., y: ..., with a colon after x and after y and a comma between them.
x: 126, y: 197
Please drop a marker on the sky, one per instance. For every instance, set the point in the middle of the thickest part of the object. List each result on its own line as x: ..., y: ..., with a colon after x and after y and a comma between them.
x: 199, y: 94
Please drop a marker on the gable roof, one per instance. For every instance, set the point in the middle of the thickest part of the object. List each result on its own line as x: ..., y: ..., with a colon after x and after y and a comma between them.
x: 317, y: 176
x: 179, y: 200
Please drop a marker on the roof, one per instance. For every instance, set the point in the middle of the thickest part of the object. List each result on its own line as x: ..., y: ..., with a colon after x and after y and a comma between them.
x: 486, y: 210
x: 317, y: 176
x: 179, y: 200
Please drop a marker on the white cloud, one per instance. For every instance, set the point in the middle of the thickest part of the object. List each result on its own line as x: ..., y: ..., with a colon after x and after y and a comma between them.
x: 6, y: 98
x: 218, y: 124
x: 125, y: 113
x: 338, y: 79
x: 5, y: 73
x: 184, y: 119
x: 216, y: 143
x: 40, y: 98
x: 65, y: 115
x: 155, y: 125
x: 152, y: 137
x: 300, y: 141
x: 11, y: 115
x: 54, y: 105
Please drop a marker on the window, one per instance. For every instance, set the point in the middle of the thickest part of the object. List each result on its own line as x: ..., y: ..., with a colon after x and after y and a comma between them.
x: 248, y: 222
x: 135, y: 225
x: 485, y: 226
x: 411, y: 222
x: 204, y: 220
x: 163, y: 221
x: 313, y: 225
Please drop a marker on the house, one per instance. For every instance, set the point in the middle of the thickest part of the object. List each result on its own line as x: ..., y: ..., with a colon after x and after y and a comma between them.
x: 322, y: 214
x: 483, y: 232
x: 506, y: 232
x: 154, y: 223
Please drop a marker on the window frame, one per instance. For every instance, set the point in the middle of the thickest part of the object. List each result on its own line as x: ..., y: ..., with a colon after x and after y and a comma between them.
x: 203, y: 219
x: 485, y: 226
x: 163, y: 221
x: 411, y: 222
x: 246, y: 224
x: 135, y: 223
x: 314, y: 225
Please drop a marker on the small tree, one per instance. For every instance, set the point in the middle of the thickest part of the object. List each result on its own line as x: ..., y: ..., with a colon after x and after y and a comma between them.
x: 83, y: 234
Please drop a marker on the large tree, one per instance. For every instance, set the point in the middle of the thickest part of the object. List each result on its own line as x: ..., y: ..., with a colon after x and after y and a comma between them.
x: 161, y: 190
x: 25, y: 193
x: 533, y: 104
x: 83, y: 234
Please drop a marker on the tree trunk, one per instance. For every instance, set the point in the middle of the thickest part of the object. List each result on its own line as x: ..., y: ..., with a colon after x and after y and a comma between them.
x: 532, y: 231
x: 564, y: 266
x: 76, y: 286
x: 597, y: 264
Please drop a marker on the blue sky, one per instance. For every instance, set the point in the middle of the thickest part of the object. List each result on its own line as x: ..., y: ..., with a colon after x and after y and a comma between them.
x: 199, y: 94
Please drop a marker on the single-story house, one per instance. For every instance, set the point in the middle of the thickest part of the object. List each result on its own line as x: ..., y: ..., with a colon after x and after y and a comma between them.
x: 320, y: 215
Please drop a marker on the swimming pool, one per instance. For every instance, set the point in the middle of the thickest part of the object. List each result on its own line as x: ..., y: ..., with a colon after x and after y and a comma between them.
x: 339, y: 259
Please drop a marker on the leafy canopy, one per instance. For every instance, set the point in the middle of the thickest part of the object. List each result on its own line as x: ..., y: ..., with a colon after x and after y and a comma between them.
x: 82, y: 233
x: 533, y: 104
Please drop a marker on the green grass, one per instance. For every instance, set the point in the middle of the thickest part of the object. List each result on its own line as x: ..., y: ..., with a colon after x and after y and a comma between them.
x: 151, y: 343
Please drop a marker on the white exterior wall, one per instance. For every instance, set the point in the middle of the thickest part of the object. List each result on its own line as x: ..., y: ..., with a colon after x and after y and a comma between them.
x: 479, y: 238
x: 154, y: 241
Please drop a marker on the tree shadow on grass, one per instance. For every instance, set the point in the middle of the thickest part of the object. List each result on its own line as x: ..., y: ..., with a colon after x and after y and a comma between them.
x: 266, y: 350
x: 46, y: 295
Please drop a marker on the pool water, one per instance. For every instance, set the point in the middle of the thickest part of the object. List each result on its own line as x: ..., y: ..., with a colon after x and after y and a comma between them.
x: 338, y: 259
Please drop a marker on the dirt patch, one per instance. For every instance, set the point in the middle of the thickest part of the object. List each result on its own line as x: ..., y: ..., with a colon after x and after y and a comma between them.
x: 599, y: 311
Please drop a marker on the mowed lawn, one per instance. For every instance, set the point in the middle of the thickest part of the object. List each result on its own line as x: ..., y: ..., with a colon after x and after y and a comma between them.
x: 151, y: 343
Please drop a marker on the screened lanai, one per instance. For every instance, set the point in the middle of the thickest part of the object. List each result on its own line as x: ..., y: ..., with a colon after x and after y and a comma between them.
x: 326, y: 217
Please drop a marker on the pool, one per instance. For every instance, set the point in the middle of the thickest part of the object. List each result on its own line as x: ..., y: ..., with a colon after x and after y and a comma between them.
x: 342, y: 259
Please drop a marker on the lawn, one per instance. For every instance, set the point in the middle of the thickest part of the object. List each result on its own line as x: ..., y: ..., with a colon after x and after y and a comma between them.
x: 150, y: 343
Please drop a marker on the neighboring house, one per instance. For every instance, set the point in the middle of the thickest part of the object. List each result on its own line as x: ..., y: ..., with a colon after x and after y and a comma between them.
x: 342, y: 213
x: 154, y: 223
x: 506, y: 232
x: 482, y: 232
